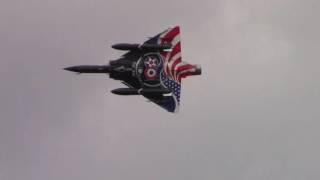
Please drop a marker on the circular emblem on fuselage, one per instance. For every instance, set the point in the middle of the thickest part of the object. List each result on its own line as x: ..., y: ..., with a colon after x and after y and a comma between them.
x: 148, y: 69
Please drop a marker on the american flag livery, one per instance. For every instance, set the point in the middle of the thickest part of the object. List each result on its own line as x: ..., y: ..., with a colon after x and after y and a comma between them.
x: 174, y: 68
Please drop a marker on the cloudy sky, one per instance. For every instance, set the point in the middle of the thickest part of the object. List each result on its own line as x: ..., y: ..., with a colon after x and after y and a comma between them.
x: 253, y: 114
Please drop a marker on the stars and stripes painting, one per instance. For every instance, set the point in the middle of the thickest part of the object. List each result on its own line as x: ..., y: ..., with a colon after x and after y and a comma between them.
x: 174, y: 68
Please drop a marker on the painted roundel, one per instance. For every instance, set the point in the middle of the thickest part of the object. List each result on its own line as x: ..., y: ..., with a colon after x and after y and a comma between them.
x: 150, y: 74
x: 148, y: 69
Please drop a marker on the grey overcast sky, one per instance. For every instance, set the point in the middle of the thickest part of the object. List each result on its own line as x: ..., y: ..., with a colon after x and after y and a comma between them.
x: 253, y: 114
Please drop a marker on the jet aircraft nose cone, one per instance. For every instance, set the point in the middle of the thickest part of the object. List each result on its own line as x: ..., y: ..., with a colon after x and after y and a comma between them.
x: 72, y: 68
x: 89, y: 69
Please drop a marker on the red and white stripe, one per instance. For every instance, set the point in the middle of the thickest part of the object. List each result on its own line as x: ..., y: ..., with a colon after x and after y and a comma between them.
x: 174, y: 67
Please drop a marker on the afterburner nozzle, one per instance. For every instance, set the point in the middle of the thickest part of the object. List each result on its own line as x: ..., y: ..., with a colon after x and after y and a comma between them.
x: 197, y: 70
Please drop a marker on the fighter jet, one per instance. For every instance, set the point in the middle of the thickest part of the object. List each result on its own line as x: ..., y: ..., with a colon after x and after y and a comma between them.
x: 153, y: 69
